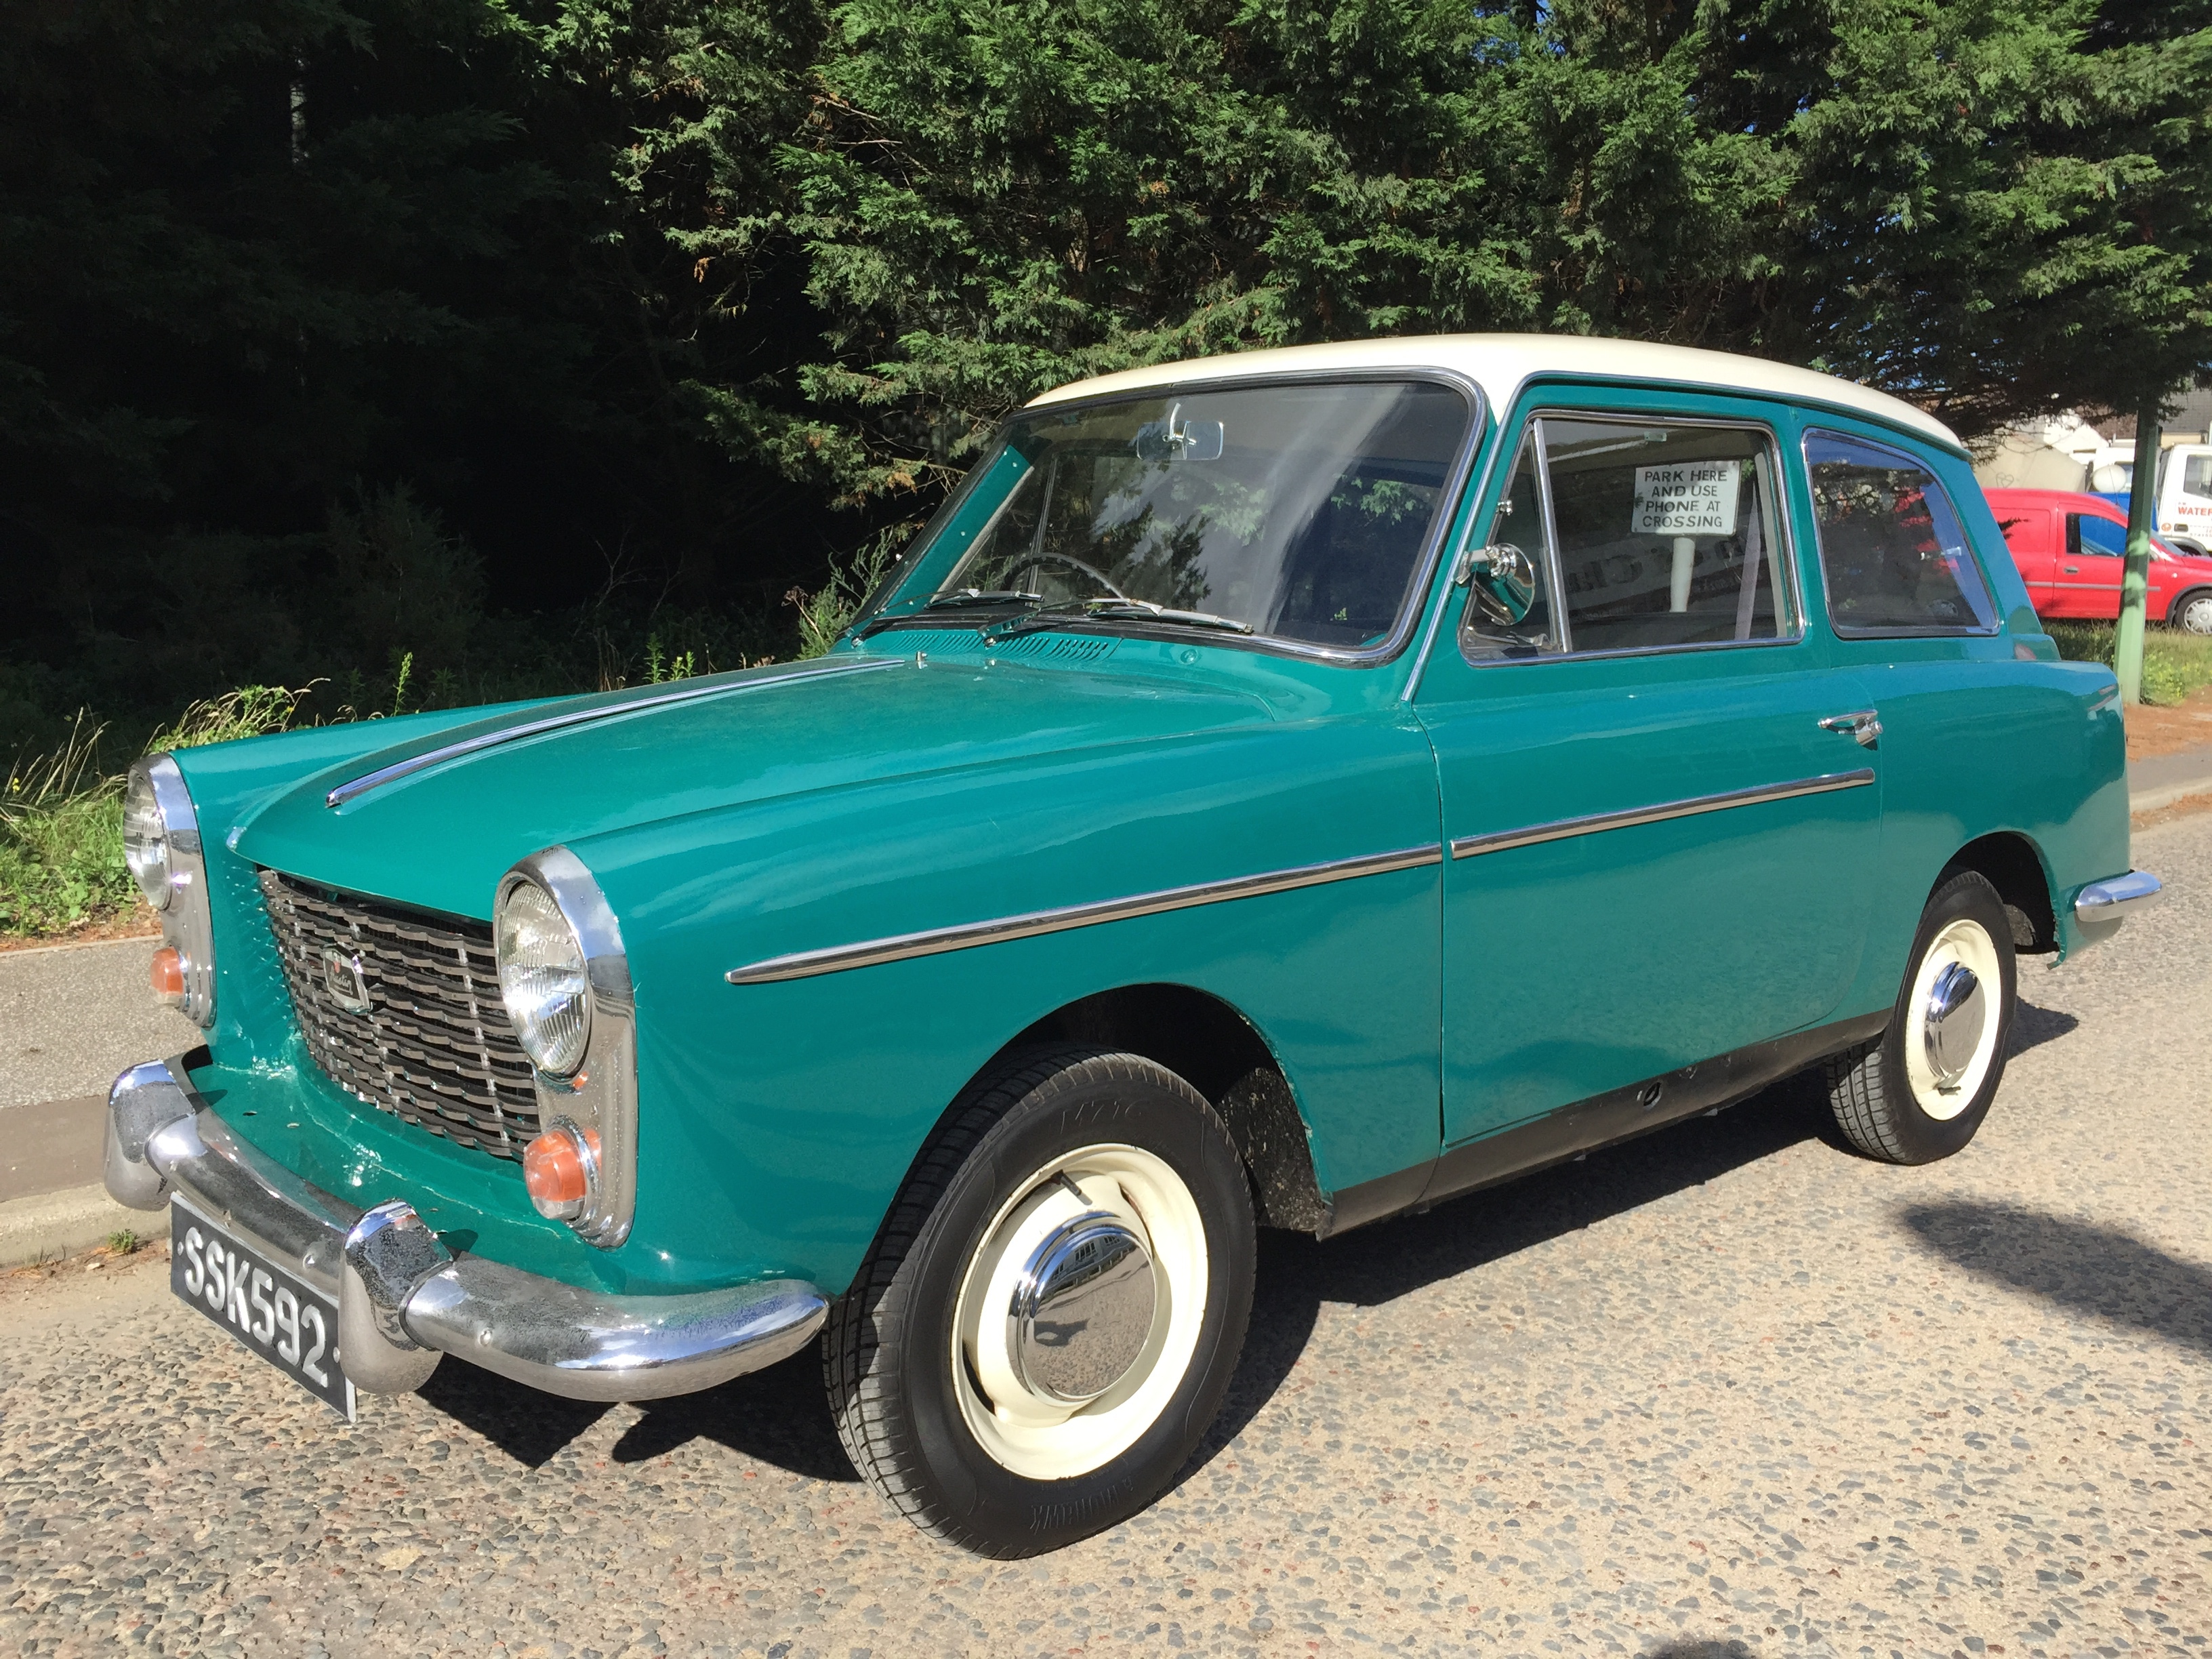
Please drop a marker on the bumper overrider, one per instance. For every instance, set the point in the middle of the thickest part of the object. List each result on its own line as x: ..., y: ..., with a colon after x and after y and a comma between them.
x: 404, y: 1300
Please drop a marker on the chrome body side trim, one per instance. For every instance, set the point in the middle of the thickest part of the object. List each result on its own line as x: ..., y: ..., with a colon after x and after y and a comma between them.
x: 2102, y: 904
x: 354, y: 787
x: 601, y: 1095
x: 404, y: 1297
x: 868, y: 953
x: 187, y: 921
x: 1467, y: 847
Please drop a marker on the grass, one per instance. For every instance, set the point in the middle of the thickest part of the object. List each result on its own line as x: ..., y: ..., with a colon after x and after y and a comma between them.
x: 60, y: 816
x: 2176, y: 664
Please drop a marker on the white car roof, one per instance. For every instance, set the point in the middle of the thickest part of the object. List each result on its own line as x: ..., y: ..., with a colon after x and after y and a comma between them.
x: 1501, y: 363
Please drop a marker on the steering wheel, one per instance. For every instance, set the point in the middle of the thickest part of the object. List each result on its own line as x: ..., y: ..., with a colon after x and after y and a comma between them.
x: 1096, y: 575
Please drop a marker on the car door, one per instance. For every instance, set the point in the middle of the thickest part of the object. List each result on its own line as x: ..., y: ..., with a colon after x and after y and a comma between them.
x: 2090, y: 568
x: 1662, y: 832
x: 2031, y: 536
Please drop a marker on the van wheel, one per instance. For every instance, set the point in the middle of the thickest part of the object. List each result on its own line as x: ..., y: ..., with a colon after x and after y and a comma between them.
x: 1051, y: 1315
x: 1919, y: 1092
x: 2193, y: 612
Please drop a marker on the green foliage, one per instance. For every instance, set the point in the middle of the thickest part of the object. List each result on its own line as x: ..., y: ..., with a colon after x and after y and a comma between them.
x: 2176, y: 665
x: 61, y: 840
x: 827, y: 610
x: 453, y: 350
x: 123, y: 1241
x: 60, y: 816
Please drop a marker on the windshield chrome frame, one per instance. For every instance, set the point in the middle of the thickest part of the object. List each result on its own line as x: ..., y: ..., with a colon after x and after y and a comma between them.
x: 1420, y: 582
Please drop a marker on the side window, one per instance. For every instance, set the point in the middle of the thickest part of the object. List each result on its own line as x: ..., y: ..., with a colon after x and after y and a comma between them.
x: 1520, y: 538
x: 2197, y: 476
x: 1665, y: 532
x: 1639, y: 535
x: 2100, y: 538
x: 1892, y: 552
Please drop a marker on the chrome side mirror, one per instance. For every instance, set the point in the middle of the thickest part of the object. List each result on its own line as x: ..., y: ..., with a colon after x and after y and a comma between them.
x: 1501, y: 582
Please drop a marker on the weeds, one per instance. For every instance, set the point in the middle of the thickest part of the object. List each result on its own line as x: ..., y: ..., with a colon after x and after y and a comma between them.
x: 123, y: 1243
x: 827, y: 611
x: 61, y: 840
x: 2176, y: 664
x: 60, y: 816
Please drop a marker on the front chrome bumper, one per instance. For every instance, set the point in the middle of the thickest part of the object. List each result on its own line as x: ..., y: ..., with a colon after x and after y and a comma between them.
x: 404, y: 1299
x: 2106, y: 903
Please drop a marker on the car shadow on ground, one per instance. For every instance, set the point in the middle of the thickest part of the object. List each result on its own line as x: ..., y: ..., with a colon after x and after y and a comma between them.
x: 2076, y: 1265
x: 1389, y: 1259
x: 2032, y: 1027
x: 781, y: 1416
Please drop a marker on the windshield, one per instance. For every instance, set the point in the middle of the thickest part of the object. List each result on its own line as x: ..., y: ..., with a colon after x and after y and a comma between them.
x: 1299, y: 511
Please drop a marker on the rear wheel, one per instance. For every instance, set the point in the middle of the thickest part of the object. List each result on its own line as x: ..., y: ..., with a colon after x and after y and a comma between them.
x: 1921, y: 1091
x: 2193, y: 612
x: 1051, y: 1316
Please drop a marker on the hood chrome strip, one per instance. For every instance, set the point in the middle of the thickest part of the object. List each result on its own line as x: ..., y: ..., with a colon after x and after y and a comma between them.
x: 836, y: 958
x: 399, y: 769
x: 1467, y: 847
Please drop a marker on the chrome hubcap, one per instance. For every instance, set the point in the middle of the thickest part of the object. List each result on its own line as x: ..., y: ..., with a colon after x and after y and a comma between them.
x: 1082, y: 1310
x: 2197, y: 619
x: 1952, y: 1021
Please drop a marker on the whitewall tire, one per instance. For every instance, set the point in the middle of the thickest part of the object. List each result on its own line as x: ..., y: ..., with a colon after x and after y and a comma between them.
x: 1051, y: 1314
x: 1921, y: 1091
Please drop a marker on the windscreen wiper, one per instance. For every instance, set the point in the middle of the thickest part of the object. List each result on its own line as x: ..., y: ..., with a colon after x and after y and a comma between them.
x: 1102, y: 610
x: 958, y: 599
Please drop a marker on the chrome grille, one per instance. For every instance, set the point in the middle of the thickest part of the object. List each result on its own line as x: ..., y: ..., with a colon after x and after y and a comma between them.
x: 433, y: 1042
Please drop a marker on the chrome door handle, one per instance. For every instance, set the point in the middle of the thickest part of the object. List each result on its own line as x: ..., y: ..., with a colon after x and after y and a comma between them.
x: 1863, y: 724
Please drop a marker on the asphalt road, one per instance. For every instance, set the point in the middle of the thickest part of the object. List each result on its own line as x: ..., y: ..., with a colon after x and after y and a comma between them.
x: 70, y: 1018
x: 1728, y: 1390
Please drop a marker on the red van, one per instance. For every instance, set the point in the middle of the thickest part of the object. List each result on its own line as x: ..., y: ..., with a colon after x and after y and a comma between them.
x: 2069, y: 548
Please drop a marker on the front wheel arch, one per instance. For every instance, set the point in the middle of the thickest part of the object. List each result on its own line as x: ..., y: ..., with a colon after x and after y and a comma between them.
x: 2183, y: 602
x: 1211, y: 1045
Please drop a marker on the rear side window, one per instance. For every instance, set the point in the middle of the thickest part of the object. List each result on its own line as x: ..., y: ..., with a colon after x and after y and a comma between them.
x: 1892, y: 552
x: 2086, y: 532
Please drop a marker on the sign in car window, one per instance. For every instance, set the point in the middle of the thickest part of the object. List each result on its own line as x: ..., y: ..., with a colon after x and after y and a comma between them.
x: 1690, y: 498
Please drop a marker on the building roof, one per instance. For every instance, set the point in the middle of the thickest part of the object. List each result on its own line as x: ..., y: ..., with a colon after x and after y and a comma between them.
x: 1501, y: 363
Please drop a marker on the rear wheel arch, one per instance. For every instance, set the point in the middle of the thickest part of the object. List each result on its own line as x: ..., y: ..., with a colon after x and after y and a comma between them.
x: 2009, y: 862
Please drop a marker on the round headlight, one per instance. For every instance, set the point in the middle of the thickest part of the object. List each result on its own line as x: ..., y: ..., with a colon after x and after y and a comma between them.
x: 146, y: 840
x: 542, y: 979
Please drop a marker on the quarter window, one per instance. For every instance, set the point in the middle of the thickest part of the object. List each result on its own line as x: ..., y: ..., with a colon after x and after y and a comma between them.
x: 1647, y: 535
x: 1892, y: 552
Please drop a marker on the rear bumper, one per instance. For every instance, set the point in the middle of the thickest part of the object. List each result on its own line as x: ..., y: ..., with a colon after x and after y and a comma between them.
x: 2106, y: 904
x: 404, y: 1299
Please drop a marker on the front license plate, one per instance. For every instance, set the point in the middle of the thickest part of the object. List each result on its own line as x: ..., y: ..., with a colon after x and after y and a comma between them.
x: 288, y: 1322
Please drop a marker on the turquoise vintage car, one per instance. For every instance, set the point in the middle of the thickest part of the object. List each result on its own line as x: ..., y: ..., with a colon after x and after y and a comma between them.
x: 1282, y: 790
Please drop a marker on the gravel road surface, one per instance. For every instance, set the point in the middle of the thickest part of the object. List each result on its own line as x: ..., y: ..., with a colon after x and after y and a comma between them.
x: 1728, y: 1390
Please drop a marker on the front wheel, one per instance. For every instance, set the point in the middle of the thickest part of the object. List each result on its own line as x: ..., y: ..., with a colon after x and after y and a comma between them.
x: 1920, y: 1092
x: 1050, y: 1318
